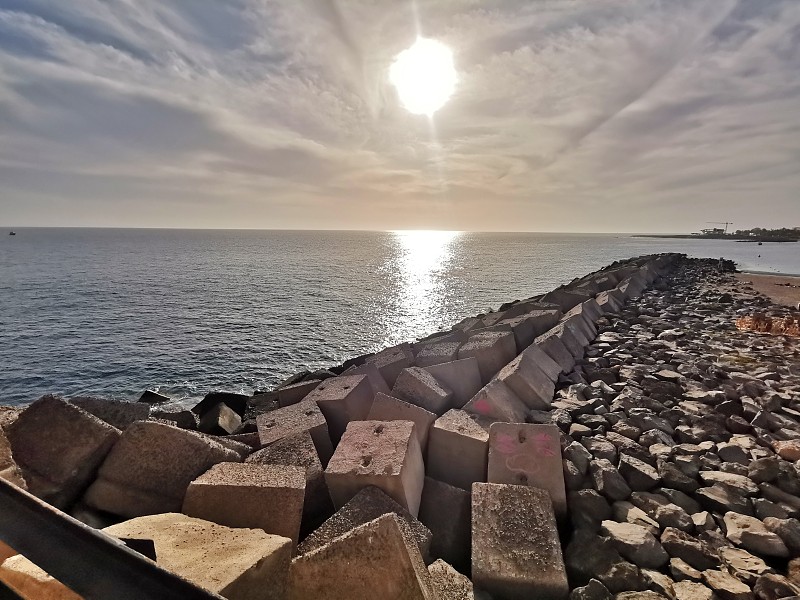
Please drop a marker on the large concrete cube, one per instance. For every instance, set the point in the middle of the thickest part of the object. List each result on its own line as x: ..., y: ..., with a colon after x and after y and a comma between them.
x: 437, y: 353
x: 525, y: 454
x: 251, y: 496
x: 462, y: 377
x: 291, y: 420
x: 516, y: 552
x: 392, y: 361
x: 564, y: 298
x: 367, y: 505
x: 341, y: 400
x: 497, y: 401
x: 220, y: 420
x: 419, y: 387
x: 449, y: 583
x: 150, y: 467
x: 388, y: 408
x: 58, y: 447
x: 376, y: 380
x: 116, y: 413
x: 552, y: 345
x: 458, y: 448
x: 373, y: 560
x: 493, y: 350
x: 385, y: 454
x: 528, y: 382
x: 543, y: 360
x: 445, y: 510
x: 239, y: 564
x: 528, y: 326
x: 295, y: 392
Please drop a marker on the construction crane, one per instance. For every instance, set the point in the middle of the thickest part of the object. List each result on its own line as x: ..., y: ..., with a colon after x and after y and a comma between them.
x: 726, y: 223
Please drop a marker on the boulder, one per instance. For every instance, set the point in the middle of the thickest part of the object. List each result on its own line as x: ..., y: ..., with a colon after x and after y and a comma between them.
x: 636, y: 544
x: 751, y: 534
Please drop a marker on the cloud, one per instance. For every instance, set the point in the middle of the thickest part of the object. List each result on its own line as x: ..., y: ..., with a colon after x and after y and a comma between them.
x: 581, y: 115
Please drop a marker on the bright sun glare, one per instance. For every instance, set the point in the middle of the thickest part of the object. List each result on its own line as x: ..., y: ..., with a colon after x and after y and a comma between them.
x: 424, y: 76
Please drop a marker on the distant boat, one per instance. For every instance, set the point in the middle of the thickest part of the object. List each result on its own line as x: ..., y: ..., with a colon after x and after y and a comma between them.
x: 12, y: 233
x: 760, y: 244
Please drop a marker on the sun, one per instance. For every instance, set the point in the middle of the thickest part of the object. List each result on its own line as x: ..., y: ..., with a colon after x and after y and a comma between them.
x: 424, y: 76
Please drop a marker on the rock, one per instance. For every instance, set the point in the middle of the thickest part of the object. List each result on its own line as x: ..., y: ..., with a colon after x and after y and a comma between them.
x: 589, y: 556
x: 697, y: 553
x: 636, y: 544
x: 674, y: 478
x: 151, y: 397
x: 608, y: 481
x: 219, y: 420
x: 663, y: 511
x: 773, y: 587
x: 743, y: 565
x: 690, y: 590
x: 516, y: 550
x: 594, y: 590
x: 788, y: 449
x: 150, y: 467
x: 639, y: 475
x: 703, y: 521
x: 579, y: 456
x: 625, y: 512
x: 116, y: 413
x: 681, y: 570
x: 381, y: 453
x: 721, y: 498
x: 793, y: 571
x: 752, y: 534
x: 726, y: 586
x: 449, y: 583
x: 740, y: 483
x: 658, y: 582
x: 786, y: 529
x: 587, y: 509
x: 58, y: 448
x: 644, y: 595
x: 687, y: 503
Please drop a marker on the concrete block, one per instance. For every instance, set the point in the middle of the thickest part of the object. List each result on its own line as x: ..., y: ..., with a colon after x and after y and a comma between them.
x: 341, y: 400
x: 236, y: 402
x: 367, y: 505
x: 608, y: 303
x: 385, y: 454
x: 462, y: 377
x: 9, y: 470
x: 388, y: 408
x: 239, y: 564
x: 446, y: 511
x: 242, y: 449
x: 373, y: 560
x: 564, y: 298
x: 436, y: 353
x: 116, y: 413
x: 58, y: 448
x: 493, y: 350
x: 152, y: 397
x: 292, y: 394
x: 392, y: 361
x: 579, y: 329
x: 528, y: 326
x: 551, y: 345
x: 375, y: 378
x: 150, y: 467
x: 458, y: 447
x: 543, y: 361
x: 526, y: 454
x: 516, y: 553
x: 298, y: 450
x: 528, y: 382
x: 220, y: 420
x: 290, y: 420
x: 419, y: 387
x: 250, y: 496
x: 449, y: 583
x: 566, y: 339
x: 497, y: 401
x: 185, y: 419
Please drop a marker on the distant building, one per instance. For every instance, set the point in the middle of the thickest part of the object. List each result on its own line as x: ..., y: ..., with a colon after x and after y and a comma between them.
x: 715, y: 231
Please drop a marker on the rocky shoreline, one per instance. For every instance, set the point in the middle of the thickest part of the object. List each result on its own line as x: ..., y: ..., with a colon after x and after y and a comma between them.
x: 616, y: 437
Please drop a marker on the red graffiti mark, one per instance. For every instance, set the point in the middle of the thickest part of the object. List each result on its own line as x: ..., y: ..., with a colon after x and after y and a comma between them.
x: 482, y: 406
x: 543, y: 444
x: 505, y: 443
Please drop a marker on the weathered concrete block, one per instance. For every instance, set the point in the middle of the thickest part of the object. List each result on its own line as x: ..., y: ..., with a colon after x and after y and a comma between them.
x: 525, y: 454
x: 543, y: 361
x: 342, y: 400
x: 392, y: 361
x: 436, y: 353
x: 449, y: 583
x: 458, y: 448
x: 248, y: 495
x: 528, y: 382
x: 373, y: 560
x: 9, y: 470
x: 292, y: 394
x: 608, y: 302
x: 418, y: 386
x: 116, y: 413
x: 376, y: 380
x: 150, y: 467
x: 299, y: 450
x: 516, y: 552
x: 236, y: 402
x: 497, y: 401
x: 58, y: 447
x: 564, y: 298
x: 551, y: 345
x: 493, y: 350
x: 239, y: 564
x: 367, y: 505
x: 288, y: 421
x: 185, y: 419
x: 385, y: 454
x: 579, y: 330
x: 151, y: 397
x: 388, y: 408
x: 220, y: 420
x: 528, y: 326
x: 462, y: 377
x: 446, y: 511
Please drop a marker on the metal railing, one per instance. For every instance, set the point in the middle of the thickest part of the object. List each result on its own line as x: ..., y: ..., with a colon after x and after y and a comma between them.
x: 89, y: 562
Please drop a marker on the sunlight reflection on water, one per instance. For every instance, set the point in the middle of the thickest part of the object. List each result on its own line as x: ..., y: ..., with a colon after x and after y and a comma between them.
x: 420, y: 264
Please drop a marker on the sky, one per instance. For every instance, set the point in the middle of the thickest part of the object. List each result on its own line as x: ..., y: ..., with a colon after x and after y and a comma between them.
x: 568, y: 115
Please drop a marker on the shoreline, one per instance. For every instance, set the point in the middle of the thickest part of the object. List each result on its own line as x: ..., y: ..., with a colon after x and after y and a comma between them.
x: 781, y: 289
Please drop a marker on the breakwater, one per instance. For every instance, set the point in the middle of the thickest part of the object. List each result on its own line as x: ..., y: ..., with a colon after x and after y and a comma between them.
x: 617, y: 436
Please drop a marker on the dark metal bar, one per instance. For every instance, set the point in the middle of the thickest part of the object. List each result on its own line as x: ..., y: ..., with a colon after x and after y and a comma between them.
x: 86, y: 560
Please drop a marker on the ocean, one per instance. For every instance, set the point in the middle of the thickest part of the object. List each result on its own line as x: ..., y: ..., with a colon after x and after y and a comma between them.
x: 111, y: 312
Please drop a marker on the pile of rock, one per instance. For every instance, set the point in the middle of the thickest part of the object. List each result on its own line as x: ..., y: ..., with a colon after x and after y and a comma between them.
x: 650, y: 440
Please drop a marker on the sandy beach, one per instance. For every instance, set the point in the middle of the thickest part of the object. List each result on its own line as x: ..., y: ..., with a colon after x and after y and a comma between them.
x: 781, y: 289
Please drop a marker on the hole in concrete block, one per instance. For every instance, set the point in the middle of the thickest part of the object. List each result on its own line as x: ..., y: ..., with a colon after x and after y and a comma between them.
x: 379, y: 429
x: 523, y: 479
x: 345, y: 387
x: 366, y: 461
x: 309, y: 413
x: 521, y: 436
x: 269, y: 424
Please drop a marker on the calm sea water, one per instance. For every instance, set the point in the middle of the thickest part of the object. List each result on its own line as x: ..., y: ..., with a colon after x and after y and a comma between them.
x: 112, y: 312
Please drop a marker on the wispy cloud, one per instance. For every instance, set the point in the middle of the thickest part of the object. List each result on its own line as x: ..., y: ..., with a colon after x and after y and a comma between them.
x: 569, y: 115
